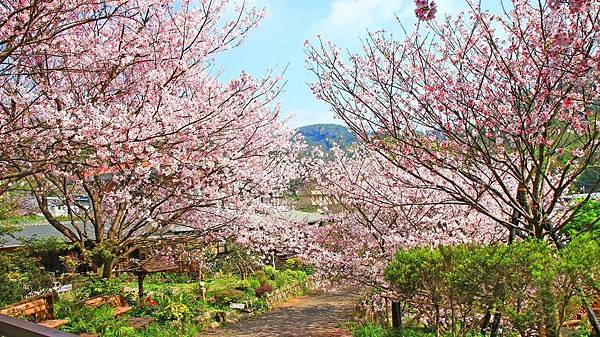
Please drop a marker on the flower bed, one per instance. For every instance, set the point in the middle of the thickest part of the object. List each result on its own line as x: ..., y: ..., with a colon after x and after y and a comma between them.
x: 176, y: 305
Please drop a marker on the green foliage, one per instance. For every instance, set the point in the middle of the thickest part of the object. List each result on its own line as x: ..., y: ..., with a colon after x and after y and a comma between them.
x: 530, y: 283
x: 279, y: 278
x: 50, y: 245
x: 295, y: 263
x: 22, y: 220
x: 120, y: 331
x: 174, y: 311
x: 21, y: 273
x: 186, y: 329
x: 270, y: 272
x: 370, y: 330
x: 261, y: 276
x: 168, y: 306
x: 227, y: 296
x: 254, y: 283
x: 375, y: 330
x: 587, y: 218
x: 7, y: 230
x: 103, y: 252
x: 92, y: 287
x: 91, y: 320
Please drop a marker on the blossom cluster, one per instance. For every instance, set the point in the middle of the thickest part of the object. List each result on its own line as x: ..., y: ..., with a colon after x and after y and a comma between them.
x: 426, y: 10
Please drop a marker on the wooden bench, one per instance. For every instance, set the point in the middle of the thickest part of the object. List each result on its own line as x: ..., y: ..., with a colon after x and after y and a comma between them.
x: 39, y: 309
x: 117, y: 302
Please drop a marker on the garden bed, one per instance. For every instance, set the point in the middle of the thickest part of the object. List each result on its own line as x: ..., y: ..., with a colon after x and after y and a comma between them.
x: 174, y: 306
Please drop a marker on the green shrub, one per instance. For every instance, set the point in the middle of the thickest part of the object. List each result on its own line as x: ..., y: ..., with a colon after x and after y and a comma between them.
x: 245, y: 285
x: 227, y: 296
x: 283, y: 279
x: 530, y: 283
x: 254, y: 283
x: 93, y: 287
x: 586, y: 218
x: 373, y: 330
x: 186, y: 329
x: 20, y: 273
x: 271, y: 283
x: 222, y: 281
x: 92, y: 320
x: 270, y: 272
x: 260, y: 304
x: 174, y: 311
x: 120, y: 331
x: 261, y: 276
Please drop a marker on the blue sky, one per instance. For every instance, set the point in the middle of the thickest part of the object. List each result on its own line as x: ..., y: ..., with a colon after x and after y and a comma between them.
x: 278, y: 42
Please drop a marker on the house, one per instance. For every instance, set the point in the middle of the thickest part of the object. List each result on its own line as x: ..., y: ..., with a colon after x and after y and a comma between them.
x: 56, y: 206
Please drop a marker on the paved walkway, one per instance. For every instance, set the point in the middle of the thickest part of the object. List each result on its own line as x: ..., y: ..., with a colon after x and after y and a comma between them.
x: 315, y: 315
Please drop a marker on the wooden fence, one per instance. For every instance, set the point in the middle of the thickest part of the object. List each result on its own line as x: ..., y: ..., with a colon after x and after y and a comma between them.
x: 13, y: 327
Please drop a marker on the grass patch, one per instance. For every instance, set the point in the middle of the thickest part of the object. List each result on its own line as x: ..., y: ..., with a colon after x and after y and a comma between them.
x: 23, y: 220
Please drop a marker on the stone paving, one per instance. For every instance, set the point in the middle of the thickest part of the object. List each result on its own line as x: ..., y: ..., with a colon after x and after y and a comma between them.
x: 315, y: 315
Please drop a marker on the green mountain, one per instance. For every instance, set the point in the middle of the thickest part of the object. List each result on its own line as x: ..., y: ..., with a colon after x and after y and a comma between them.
x: 326, y: 135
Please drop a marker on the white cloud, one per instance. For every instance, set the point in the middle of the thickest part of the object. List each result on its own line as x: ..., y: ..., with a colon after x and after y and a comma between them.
x: 349, y: 19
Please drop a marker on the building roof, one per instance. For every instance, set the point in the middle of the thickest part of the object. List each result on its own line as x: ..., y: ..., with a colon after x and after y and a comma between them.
x: 41, y: 230
x: 44, y: 230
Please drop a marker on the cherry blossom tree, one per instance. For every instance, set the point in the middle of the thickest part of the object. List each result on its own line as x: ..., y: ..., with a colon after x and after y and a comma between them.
x: 507, y: 103
x: 376, y: 209
x: 28, y: 34
x: 135, y: 119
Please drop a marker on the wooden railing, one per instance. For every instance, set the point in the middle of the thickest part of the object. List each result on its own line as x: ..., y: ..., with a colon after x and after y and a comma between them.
x: 13, y: 327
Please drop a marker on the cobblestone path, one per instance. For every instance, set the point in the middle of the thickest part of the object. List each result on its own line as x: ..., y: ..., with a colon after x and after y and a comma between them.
x: 315, y: 315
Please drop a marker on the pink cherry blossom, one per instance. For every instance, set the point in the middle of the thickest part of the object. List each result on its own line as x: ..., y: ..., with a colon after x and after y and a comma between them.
x: 126, y: 112
x: 425, y: 10
x: 479, y: 105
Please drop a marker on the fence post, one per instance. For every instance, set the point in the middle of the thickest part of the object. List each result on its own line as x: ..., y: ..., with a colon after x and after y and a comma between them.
x: 397, y: 316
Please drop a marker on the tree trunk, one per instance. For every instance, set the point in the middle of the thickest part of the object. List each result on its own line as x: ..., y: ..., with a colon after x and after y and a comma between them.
x: 107, y: 268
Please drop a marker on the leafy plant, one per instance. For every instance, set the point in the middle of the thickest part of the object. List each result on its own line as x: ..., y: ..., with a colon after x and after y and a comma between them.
x: 92, y: 287
x: 229, y: 295
x: 587, y: 218
x: 530, y: 283
x: 373, y: 330
x: 174, y: 311
x: 93, y: 320
x: 185, y: 329
x: 261, y: 276
x: 21, y: 273
x: 263, y: 289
